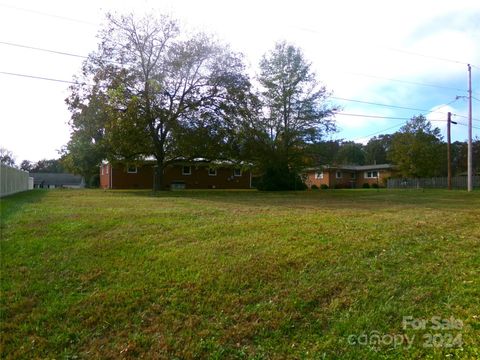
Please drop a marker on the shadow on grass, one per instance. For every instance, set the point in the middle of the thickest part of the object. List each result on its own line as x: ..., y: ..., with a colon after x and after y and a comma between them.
x: 10, y: 205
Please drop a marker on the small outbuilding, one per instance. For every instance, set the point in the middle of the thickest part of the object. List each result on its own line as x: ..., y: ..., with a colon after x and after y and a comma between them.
x: 57, y: 180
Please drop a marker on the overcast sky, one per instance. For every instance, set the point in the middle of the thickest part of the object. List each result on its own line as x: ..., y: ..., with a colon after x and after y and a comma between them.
x: 409, y: 54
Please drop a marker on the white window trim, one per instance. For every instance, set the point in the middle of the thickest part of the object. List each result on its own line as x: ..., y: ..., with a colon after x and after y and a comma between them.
x: 336, y: 175
x: 319, y: 175
x: 372, y: 177
x: 189, y: 170
x: 101, y: 170
x: 353, y: 175
x: 235, y: 174
x: 215, y: 172
x: 132, y: 172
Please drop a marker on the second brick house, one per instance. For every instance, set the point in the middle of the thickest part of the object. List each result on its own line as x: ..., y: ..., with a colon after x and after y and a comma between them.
x: 349, y: 176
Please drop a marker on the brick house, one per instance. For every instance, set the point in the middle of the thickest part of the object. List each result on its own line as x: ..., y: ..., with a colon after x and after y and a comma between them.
x: 349, y: 176
x: 182, y: 175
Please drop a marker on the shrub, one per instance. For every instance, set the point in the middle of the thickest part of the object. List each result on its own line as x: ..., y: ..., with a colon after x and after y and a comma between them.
x: 324, y: 186
x: 366, y: 186
x: 314, y: 187
x: 375, y: 185
x: 278, y: 177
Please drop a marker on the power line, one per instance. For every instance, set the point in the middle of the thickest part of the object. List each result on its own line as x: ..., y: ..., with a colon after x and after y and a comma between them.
x: 396, y: 126
x: 377, y: 116
x: 428, y: 56
x: 339, y: 98
x: 397, y: 106
x: 406, y: 81
x: 407, y: 52
x: 42, y: 49
x: 379, y: 132
x: 375, y: 103
x: 347, y: 72
x: 40, y: 78
x: 48, y: 14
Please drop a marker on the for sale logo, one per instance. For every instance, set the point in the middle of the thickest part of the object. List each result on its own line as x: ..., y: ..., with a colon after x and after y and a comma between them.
x: 434, y: 332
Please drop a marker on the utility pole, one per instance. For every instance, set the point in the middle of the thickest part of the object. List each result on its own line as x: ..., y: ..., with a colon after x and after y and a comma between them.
x: 449, y: 154
x: 469, y: 161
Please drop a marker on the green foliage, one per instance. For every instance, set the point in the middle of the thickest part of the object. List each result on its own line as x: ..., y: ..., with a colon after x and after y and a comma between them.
x: 324, y: 186
x: 322, y: 152
x: 26, y: 165
x: 48, y: 166
x: 314, y: 187
x: 156, y: 92
x: 350, y: 153
x: 376, y: 149
x: 278, y: 177
x: 7, y: 157
x: 366, y: 186
x: 417, y: 149
x: 291, y: 114
x: 460, y: 156
x: 375, y: 186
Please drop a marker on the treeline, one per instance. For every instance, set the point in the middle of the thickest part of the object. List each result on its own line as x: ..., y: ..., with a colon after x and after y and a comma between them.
x: 155, y: 90
x: 417, y: 150
x: 42, y: 166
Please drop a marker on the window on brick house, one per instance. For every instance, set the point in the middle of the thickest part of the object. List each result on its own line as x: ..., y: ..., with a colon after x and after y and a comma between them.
x: 132, y: 169
x: 237, y: 172
x: 212, y: 172
x: 371, y: 174
x: 319, y: 175
x: 186, y: 170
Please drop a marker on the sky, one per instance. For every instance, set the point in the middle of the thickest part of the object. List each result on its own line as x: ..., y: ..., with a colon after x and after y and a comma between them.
x: 409, y: 54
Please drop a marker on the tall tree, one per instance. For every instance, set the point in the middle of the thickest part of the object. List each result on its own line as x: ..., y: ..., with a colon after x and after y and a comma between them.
x: 323, y: 152
x: 7, y: 157
x: 163, y: 90
x: 377, y: 148
x: 350, y: 153
x: 417, y: 149
x: 460, y: 156
x: 295, y: 110
x: 48, y: 166
x: 26, y: 165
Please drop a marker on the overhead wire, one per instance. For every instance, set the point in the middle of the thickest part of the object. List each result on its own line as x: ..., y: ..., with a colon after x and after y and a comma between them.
x: 40, y: 78
x: 42, y: 49
x: 345, y: 99
x: 48, y: 14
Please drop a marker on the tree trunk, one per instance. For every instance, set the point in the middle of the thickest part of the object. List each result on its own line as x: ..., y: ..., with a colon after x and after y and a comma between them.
x: 158, y: 178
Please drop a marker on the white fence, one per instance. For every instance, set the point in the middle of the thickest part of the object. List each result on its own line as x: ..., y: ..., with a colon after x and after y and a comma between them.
x: 458, y: 182
x: 12, y: 180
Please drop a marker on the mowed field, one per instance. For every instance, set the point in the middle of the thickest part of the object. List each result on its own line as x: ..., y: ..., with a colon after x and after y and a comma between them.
x: 336, y: 274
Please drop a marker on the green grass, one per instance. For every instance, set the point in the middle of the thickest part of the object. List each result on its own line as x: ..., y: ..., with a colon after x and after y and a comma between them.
x: 237, y: 274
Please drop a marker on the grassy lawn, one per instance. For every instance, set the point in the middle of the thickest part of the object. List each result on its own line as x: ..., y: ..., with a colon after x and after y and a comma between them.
x: 238, y: 274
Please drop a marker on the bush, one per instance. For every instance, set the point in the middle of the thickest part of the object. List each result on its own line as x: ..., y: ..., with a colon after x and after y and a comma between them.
x: 314, y: 187
x: 324, y: 186
x: 375, y: 186
x: 366, y: 186
x: 278, y: 177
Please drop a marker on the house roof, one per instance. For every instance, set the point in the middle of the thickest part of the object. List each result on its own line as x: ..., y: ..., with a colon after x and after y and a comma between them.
x: 193, y: 162
x: 355, y: 167
x: 366, y: 167
x: 57, y: 179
